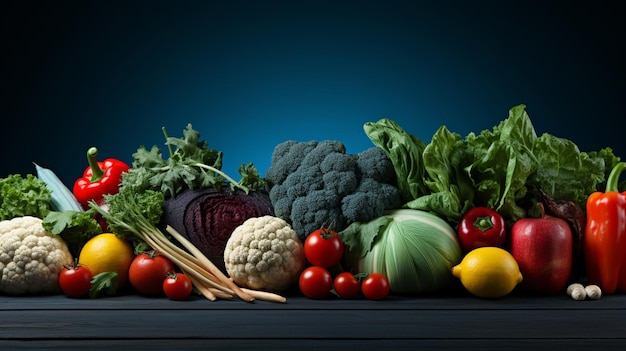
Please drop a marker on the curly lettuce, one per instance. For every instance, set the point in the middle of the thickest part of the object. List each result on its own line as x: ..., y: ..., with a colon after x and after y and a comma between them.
x: 23, y: 196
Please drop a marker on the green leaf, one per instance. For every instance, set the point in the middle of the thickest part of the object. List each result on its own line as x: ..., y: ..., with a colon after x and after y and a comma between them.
x: 142, y: 158
x: 518, y: 129
x: 564, y: 172
x: 360, y: 237
x: 75, y: 227
x: 104, y: 284
x: 609, y: 159
x: 250, y: 177
x: 190, y: 147
x: 405, y: 152
x: 451, y: 190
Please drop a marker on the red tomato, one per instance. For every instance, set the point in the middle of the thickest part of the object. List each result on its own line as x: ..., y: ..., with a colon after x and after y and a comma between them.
x: 177, y: 286
x: 346, y: 285
x: 75, y: 280
x: 323, y: 248
x: 375, y: 286
x: 315, y: 282
x: 147, y: 272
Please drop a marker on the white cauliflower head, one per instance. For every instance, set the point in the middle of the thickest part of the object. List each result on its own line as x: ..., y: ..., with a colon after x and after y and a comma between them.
x: 264, y: 253
x: 30, y: 257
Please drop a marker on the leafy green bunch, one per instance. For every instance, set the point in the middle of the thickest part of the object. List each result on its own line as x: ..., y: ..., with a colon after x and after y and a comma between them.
x: 191, y: 165
x: 503, y: 168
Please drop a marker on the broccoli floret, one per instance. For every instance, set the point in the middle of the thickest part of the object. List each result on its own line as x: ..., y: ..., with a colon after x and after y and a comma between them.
x: 374, y: 163
x: 285, y: 164
x: 316, y: 184
x: 370, y: 200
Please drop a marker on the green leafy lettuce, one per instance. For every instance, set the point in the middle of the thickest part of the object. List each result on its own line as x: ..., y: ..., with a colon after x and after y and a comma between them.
x: 23, y: 196
x: 405, y: 149
x: 501, y: 168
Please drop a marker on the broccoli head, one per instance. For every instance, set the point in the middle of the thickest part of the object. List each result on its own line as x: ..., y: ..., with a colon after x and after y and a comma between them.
x: 316, y: 184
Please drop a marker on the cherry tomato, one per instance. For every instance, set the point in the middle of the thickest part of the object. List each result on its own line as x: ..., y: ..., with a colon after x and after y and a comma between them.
x: 323, y: 248
x: 147, y: 272
x: 75, y: 280
x: 346, y: 285
x: 315, y: 282
x: 177, y: 286
x: 375, y: 286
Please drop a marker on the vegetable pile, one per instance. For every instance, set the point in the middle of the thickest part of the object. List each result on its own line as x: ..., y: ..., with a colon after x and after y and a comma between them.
x: 400, y: 217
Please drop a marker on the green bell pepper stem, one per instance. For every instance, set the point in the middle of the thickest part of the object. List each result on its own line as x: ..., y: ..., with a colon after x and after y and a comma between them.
x: 96, y: 171
x: 613, y: 180
x: 483, y: 223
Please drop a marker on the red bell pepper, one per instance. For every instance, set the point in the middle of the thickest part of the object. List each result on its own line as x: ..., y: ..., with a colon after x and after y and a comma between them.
x: 481, y: 226
x: 98, y: 179
x: 605, y: 236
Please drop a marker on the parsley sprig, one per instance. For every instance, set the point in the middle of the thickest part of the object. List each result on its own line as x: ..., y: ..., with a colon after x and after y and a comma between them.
x: 191, y: 165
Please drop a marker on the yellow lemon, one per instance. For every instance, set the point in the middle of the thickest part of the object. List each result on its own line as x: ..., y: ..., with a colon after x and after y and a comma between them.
x: 107, y: 252
x: 488, y: 272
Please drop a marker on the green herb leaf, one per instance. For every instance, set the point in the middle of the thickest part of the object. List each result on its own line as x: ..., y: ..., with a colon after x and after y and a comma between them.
x: 124, y: 207
x: 250, y: 178
x: 191, y: 165
x: 104, y: 284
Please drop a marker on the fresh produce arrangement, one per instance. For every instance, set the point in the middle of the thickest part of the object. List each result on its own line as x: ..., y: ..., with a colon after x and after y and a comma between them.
x: 497, y: 211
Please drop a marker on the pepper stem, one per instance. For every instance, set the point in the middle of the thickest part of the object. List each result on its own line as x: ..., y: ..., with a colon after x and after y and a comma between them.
x: 613, y: 180
x: 483, y: 223
x: 96, y: 171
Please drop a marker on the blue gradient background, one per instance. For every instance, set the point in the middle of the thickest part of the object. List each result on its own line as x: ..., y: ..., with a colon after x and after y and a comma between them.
x: 251, y: 74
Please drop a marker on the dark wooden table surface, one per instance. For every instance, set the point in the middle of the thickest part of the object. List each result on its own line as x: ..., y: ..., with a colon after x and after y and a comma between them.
x: 462, y: 322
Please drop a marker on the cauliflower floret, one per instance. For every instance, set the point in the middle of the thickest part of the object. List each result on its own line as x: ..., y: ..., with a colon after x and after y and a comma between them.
x: 264, y: 253
x: 30, y: 257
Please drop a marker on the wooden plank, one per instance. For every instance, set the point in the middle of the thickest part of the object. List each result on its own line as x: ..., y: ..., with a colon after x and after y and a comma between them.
x: 445, y: 323
x: 317, y: 345
x: 340, y: 324
x: 134, y: 302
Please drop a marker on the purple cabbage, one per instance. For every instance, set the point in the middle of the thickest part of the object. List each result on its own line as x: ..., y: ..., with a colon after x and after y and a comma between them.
x: 208, y: 217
